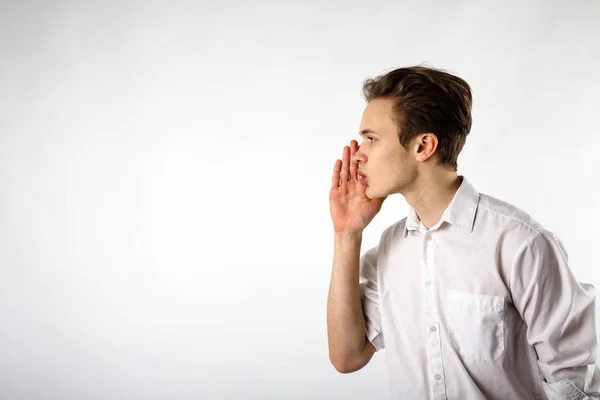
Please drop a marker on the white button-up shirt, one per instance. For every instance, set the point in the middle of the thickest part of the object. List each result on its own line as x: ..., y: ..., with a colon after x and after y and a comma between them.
x: 482, y: 305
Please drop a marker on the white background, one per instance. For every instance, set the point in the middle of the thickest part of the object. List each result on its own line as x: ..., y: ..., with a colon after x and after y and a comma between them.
x: 165, y: 170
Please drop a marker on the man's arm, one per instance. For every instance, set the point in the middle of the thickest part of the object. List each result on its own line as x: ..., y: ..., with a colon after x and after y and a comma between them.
x: 349, y: 348
x: 560, y: 316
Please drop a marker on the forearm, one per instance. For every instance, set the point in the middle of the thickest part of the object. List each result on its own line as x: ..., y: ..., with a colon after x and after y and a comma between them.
x: 345, y: 320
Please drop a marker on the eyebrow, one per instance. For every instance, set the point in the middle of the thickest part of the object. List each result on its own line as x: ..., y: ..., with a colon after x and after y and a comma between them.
x: 366, y: 131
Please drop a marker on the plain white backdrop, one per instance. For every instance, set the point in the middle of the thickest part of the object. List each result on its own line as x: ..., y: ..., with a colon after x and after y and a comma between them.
x: 165, y: 170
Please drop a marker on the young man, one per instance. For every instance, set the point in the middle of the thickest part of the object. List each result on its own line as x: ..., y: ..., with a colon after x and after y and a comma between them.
x: 470, y: 297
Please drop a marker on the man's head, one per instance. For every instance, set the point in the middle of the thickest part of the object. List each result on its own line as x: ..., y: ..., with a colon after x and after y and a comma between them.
x: 416, y: 121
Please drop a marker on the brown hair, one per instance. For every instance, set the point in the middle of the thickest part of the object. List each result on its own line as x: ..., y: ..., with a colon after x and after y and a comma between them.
x: 428, y: 100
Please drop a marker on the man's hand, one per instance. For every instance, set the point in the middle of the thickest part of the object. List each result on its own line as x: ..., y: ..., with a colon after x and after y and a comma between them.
x: 351, y: 210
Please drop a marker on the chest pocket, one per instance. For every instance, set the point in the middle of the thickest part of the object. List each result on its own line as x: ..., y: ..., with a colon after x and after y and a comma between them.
x: 476, y: 325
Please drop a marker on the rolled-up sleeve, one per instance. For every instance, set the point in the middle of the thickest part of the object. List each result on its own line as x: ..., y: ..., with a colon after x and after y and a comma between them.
x: 560, y: 316
x: 370, y: 298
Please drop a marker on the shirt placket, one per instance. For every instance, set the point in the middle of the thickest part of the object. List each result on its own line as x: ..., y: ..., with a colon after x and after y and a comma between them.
x: 434, y: 348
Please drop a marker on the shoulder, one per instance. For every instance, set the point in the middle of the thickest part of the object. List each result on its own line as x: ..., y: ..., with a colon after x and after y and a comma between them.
x: 506, y: 219
x: 516, y: 230
x: 392, y: 234
x: 394, y: 231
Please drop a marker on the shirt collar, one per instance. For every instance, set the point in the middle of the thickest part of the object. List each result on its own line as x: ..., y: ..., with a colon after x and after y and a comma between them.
x: 460, y: 212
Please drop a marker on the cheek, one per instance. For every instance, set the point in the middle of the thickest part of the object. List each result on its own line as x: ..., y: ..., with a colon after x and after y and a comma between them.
x: 391, y: 163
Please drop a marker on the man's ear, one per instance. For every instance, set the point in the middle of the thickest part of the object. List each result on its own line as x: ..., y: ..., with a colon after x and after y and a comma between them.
x: 425, y: 146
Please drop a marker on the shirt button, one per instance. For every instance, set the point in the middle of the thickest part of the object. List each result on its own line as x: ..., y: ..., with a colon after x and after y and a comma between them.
x: 437, y: 377
x: 428, y: 283
x: 433, y: 329
x: 429, y: 237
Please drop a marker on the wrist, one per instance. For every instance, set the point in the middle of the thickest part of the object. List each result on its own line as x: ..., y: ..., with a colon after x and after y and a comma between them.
x: 348, y: 235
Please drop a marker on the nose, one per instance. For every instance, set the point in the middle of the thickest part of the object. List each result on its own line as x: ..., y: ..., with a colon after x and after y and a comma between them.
x: 359, y: 156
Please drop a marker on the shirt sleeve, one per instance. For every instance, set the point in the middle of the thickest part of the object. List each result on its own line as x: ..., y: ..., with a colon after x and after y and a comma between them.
x: 369, y: 296
x: 560, y: 316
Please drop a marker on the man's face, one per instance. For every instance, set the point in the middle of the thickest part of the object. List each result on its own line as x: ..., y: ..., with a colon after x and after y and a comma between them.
x: 389, y: 167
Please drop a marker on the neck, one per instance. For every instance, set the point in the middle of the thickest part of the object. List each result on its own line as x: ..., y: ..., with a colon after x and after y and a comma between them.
x: 431, y: 194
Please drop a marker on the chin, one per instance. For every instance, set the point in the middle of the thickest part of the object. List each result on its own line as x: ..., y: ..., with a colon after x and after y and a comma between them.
x: 371, y: 194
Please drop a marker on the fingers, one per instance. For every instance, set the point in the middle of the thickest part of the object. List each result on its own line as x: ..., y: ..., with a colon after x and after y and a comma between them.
x: 353, y: 164
x: 345, y: 169
x: 345, y: 165
x: 337, y: 168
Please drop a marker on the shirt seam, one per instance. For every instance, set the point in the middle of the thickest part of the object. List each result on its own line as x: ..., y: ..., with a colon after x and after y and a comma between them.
x: 513, y: 218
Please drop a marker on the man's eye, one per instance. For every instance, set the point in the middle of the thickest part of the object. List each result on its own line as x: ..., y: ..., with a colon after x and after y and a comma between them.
x: 369, y: 137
